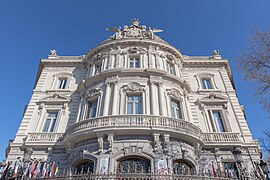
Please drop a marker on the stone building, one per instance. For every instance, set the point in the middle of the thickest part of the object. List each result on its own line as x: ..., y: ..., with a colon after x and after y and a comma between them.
x: 136, y: 104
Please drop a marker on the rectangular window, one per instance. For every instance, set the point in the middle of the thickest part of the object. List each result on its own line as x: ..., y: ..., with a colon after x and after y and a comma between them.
x: 92, y: 109
x: 134, y: 104
x: 62, y: 84
x: 176, y: 109
x: 206, y: 83
x: 50, y: 122
x: 134, y: 62
x: 216, y: 120
x: 170, y: 68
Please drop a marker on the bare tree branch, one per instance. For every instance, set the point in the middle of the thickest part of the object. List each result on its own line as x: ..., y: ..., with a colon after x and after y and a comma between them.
x: 254, y: 62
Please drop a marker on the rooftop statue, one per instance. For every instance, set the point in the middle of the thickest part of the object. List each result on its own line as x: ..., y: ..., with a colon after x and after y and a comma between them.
x: 134, y: 31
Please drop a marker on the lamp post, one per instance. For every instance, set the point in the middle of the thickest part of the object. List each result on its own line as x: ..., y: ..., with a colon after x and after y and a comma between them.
x: 238, y: 159
x: 264, y: 167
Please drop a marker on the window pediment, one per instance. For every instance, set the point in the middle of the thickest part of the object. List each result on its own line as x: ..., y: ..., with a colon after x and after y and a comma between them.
x: 213, y: 99
x: 55, y: 98
x: 133, y: 87
x: 175, y: 93
x: 93, y: 93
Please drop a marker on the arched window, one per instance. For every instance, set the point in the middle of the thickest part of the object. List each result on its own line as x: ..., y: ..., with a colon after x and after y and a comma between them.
x: 85, y: 166
x: 134, y: 165
x: 182, y: 167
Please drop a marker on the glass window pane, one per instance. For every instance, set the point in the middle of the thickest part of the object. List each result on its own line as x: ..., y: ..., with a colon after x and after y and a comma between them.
x: 176, y: 110
x: 46, y: 125
x: 138, y: 108
x: 134, y: 105
x: 92, y: 109
x: 52, y: 125
x: 218, y: 121
x: 129, y: 108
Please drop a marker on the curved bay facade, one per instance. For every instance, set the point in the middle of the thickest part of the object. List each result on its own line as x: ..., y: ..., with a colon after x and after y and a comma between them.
x: 135, y: 104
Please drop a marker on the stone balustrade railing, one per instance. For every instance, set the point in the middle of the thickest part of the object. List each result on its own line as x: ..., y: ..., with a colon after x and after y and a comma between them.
x: 225, y: 137
x: 136, y: 121
x: 143, y: 121
x: 44, y: 137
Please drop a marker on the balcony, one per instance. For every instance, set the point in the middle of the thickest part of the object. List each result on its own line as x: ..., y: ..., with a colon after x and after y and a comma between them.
x: 43, y: 138
x: 134, y: 123
x: 221, y: 138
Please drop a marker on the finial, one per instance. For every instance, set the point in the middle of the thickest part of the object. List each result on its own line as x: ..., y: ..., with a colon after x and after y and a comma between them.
x: 135, y: 22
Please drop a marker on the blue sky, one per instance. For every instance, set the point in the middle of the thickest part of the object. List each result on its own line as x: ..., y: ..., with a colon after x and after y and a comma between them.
x: 29, y: 29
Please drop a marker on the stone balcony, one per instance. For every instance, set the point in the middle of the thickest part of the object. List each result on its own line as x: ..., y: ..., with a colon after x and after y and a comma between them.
x: 132, y: 124
x: 43, y: 138
x: 147, y: 123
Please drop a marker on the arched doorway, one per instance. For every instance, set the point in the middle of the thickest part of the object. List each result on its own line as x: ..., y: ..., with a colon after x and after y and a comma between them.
x: 84, y: 166
x: 133, y: 164
x: 182, y: 167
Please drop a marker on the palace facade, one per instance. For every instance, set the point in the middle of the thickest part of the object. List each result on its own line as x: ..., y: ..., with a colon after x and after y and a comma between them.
x: 136, y: 104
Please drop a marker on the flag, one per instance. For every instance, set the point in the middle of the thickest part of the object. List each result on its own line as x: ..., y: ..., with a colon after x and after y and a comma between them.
x: 5, y: 170
x: 33, y: 167
x: 36, y: 171
x: 27, y: 169
x: 44, y: 170
x: 214, y: 171
x: 56, y: 171
x: 52, y: 169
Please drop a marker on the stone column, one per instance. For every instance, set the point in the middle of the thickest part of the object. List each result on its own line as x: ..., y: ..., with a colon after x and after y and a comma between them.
x: 150, y: 60
x: 105, y: 61
x: 115, y: 98
x: 110, y: 61
x: 79, y: 110
x: 153, y: 96
x: 122, y: 102
x: 107, y: 99
x: 176, y: 68
x: 161, y: 99
x: 117, y: 60
x: 169, y: 110
x: 157, y: 61
x: 187, y: 107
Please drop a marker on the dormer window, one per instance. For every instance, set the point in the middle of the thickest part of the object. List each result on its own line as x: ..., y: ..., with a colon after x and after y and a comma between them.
x: 206, y: 83
x: 62, y: 83
x: 97, y: 69
x: 170, y: 68
x: 134, y: 62
x: 92, y: 109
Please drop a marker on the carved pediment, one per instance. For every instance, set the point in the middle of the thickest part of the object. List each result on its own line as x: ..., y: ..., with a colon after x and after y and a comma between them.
x: 133, y: 87
x: 55, y: 97
x: 92, y: 93
x: 212, y: 97
x: 175, y: 93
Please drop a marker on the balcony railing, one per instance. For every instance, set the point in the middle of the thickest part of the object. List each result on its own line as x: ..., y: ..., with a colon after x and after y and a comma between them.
x: 225, y: 137
x: 139, y: 121
x: 44, y: 137
x: 136, y: 121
